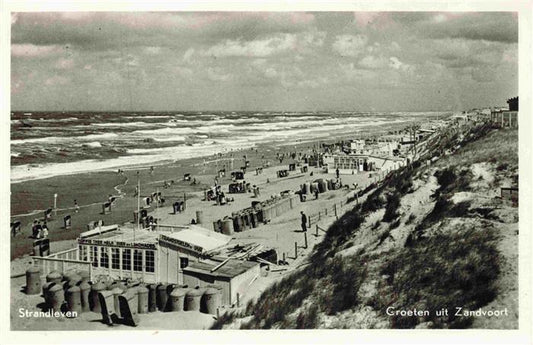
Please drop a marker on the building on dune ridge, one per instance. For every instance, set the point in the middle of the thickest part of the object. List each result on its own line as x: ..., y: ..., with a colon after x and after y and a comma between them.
x: 506, y: 118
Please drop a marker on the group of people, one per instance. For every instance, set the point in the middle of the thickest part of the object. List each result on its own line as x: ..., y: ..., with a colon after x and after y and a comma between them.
x: 39, y: 231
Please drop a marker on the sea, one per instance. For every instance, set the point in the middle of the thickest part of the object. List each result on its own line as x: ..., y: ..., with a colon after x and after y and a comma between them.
x: 46, y: 144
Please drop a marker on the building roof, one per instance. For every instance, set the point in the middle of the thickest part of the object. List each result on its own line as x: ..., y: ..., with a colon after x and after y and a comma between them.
x: 196, y: 236
x: 201, y: 237
x: 230, y: 269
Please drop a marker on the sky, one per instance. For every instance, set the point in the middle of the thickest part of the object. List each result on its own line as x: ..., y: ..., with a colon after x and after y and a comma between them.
x: 291, y: 61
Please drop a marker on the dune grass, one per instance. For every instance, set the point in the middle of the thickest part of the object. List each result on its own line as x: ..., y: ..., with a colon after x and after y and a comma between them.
x: 329, y: 288
x: 430, y: 276
x: 445, y: 270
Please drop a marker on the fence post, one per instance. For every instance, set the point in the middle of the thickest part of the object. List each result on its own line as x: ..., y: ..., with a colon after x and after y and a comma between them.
x: 335, y: 209
x: 316, y: 231
x: 318, y: 215
x: 295, y: 250
x: 305, y: 239
x: 238, y: 300
x: 284, y: 257
x: 326, y: 210
x: 309, y: 220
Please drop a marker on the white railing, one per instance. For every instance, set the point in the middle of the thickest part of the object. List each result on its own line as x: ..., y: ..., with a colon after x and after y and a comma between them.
x: 169, y: 228
x: 62, y: 261
x: 69, y: 254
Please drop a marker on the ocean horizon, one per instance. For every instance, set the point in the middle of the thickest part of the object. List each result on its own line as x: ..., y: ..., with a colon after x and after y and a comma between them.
x: 47, y: 144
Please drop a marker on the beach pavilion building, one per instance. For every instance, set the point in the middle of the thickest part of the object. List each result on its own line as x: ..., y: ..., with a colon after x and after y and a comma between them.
x: 185, y: 255
x: 355, y: 163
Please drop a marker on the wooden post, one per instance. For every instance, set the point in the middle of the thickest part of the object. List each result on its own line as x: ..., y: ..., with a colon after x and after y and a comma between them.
x: 284, y: 257
x: 326, y: 211
x: 305, y: 239
x: 316, y: 230
x: 335, y: 209
x: 295, y: 250
x: 318, y: 215
x: 309, y: 220
x: 238, y: 300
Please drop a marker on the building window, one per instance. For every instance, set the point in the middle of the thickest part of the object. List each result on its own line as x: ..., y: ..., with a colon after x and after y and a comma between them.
x: 126, y: 259
x: 115, y: 259
x: 184, y: 262
x: 83, y: 253
x: 95, y: 255
x: 137, y: 260
x: 104, y: 258
x: 150, y: 260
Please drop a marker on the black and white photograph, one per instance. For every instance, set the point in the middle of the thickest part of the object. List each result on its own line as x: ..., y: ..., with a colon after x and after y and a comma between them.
x: 257, y: 169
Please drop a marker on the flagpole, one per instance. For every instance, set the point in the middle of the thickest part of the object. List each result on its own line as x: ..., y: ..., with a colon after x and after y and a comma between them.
x: 138, y: 205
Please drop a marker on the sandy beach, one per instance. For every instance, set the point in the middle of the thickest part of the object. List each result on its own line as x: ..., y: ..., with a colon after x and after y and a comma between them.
x: 92, y: 189
x: 283, y: 233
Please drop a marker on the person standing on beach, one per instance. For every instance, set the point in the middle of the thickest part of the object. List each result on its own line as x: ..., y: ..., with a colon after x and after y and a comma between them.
x: 304, y: 221
x: 38, y: 229
x: 34, y: 233
x: 45, y: 230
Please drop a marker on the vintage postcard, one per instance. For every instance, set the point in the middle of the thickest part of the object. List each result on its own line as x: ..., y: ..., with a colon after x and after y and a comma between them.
x: 212, y: 169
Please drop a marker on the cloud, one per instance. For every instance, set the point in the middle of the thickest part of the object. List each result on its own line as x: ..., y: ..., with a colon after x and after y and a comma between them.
x: 129, y: 60
x: 494, y: 27
x: 184, y: 72
x: 258, y: 48
x: 394, y: 46
x: 107, y: 30
x: 364, y: 19
x: 351, y: 72
x: 216, y: 74
x: 64, y: 63
x: 373, y: 62
x: 483, y: 74
x: 153, y: 50
x: 257, y: 53
x: 187, y: 56
x: 31, y: 50
x: 510, y: 55
x: 461, y: 52
x: 349, y: 45
x: 56, y: 80
x: 271, y: 73
x: 395, y: 63
x: 268, y: 46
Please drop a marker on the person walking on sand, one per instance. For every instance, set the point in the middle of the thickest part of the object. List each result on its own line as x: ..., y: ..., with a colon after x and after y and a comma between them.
x: 45, y: 230
x: 304, y: 221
